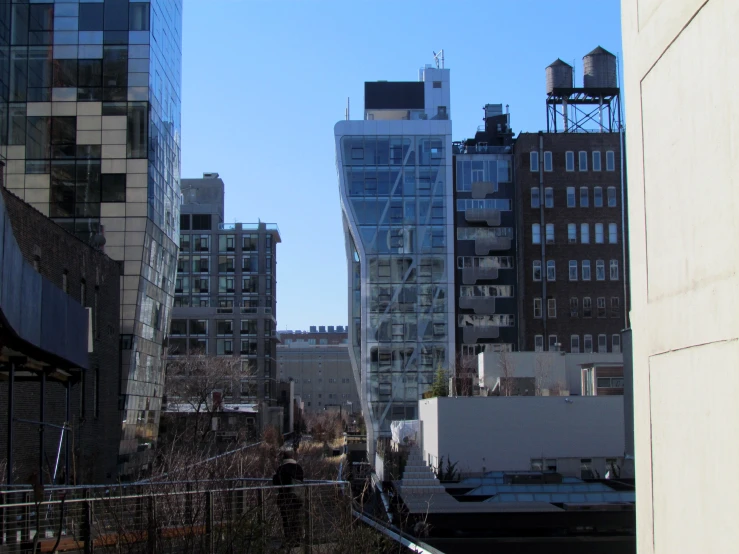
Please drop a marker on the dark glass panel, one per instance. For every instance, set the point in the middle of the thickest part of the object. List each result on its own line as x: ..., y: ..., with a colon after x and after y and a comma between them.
x: 62, y: 189
x: 113, y: 187
x: 116, y: 15
x: 38, y: 166
x: 90, y: 73
x: 65, y: 73
x: 89, y: 151
x: 40, y: 71
x: 38, y: 137
x: 115, y: 66
x: 41, y: 17
x: 115, y: 108
x: 18, y: 73
x: 88, y: 181
x: 91, y: 17
x: 63, y: 130
x: 40, y: 38
x: 17, y: 124
x: 19, y: 33
x: 138, y: 117
x: 117, y: 94
x: 87, y: 210
x: 115, y: 37
x: 89, y: 94
x: 139, y: 16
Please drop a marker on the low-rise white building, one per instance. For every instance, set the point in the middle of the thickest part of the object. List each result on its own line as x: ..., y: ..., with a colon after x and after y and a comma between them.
x: 548, y: 371
x: 575, y: 436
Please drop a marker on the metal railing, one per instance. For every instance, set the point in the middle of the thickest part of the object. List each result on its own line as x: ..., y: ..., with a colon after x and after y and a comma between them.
x: 238, y: 515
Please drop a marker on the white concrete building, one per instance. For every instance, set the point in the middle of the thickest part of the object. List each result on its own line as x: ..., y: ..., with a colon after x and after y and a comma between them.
x: 549, y: 370
x: 520, y: 433
x: 681, y: 77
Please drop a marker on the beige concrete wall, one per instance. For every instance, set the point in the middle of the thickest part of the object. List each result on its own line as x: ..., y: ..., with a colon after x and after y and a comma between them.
x: 504, y: 433
x: 681, y: 77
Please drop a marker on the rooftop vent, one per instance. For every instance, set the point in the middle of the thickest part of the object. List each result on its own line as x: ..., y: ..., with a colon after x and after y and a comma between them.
x: 210, y: 175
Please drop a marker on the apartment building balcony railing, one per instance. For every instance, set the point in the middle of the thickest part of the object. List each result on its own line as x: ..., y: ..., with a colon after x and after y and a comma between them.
x: 471, y: 275
x: 470, y: 335
x: 491, y: 216
x: 485, y: 245
x: 248, y: 226
x: 461, y: 148
x: 480, y: 304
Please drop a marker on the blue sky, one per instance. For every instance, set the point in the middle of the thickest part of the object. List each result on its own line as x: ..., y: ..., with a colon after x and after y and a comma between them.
x: 264, y: 82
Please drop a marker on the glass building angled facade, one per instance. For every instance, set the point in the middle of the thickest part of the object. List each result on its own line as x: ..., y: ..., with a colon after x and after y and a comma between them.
x: 90, y: 129
x: 396, y: 190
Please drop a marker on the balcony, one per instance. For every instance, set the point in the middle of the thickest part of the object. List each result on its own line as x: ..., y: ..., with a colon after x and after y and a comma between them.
x: 471, y: 275
x: 485, y: 245
x: 470, y: 335
x: 490, y: 216
x: 481, y: 189
x: 480, y: 304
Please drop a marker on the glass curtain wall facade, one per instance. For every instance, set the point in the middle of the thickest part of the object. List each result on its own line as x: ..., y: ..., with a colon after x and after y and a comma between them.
x: 90, y: 128
x: 396, y: 195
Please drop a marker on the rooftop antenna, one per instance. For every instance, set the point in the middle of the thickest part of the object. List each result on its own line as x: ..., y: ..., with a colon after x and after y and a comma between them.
x: 439, y: 58
x: 347, y: 108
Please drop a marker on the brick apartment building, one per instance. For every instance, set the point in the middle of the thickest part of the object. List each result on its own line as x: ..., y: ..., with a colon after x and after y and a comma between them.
x: 571, y: 253
x: 75, y: 275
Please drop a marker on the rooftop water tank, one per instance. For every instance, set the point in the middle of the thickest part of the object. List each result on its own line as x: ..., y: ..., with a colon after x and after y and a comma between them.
x: 559, y: 75
x: 599, y: 69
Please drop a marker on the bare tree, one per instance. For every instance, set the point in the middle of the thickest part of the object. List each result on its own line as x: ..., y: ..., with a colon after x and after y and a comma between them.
x: 542, y: 370
x: 195, y: 386
x: 507, y: 371
x: 465, y: 375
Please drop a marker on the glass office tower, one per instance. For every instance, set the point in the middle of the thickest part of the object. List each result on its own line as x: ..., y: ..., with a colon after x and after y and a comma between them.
x: 90, y: 129
x: 395, y: 182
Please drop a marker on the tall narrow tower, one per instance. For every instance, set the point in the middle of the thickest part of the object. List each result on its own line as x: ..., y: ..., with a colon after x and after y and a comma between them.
x: 395, y: 184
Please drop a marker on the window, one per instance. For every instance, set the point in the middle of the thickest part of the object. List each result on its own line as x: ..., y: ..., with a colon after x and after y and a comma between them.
x: 553, y: 344
x: 612, y: 233
x: 610, y: 161
x: 616, y: 344
x: 224, y: 347
x: 596, y: 160
x: 614, y: 270
x: 573, y: 306
x: 601, y: 305
x: 249, y: 243
x: 552, y: 308
x: 437, y: 84
x: 185, y: 243
x: 198, y: 327
x: 571, y: 201
x: 585, y: 233
x: 598, y: 197
x: 226, y: 243
x: 599, y: 239
x: 583, y: 155
x: 534, y: 161
x: 551, y: 272
x: 611, y: 197
x: 600, y: 270
x: 250, y: 263
x: 538, y: 343
x: 547, y: 161
x: 587, y: 307
x: 548, y: 197
x: 602, y: 344
x: 200, y: 264
x: 550, y: 233
x: 615, y: 307
x: 535, y: 197
x: 178, y: 327
x: 571, y: 233
x: 573, y: 270
x: 537, y: 270
x: 226, y: 264
x: 201, y: 222
x: 248, y: 326
x: 586, y: 270
x: 201, y: 243
x: 575, y: 344
x: 537, y: 308
x: 588, y: 344
x: 535, y: 233
x: 570, y: 161
x: 584, y: 197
